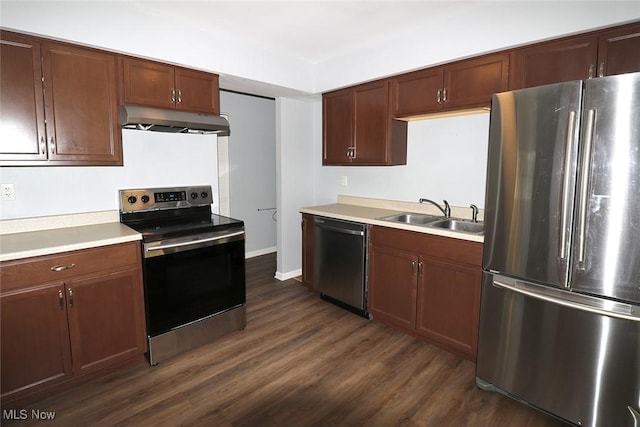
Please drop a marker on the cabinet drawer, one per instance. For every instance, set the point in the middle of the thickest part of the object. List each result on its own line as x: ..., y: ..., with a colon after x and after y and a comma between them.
x: 33, y: 271
x: 445, y: 248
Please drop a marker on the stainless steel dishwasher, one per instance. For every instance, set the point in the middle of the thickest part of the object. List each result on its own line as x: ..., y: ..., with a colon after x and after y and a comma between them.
x: 340, y: 263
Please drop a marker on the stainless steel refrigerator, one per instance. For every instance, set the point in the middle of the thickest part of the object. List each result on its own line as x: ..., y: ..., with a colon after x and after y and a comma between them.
x: 560, y: 313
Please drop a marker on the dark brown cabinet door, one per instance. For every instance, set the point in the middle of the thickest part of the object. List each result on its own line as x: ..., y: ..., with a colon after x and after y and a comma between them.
x: 555, y: 62
x: 105, y: 320
x: 371, y: 120
x: 81, y: 105
x: 307, y: 250
x: 417, y: 93
x: 197, y: 91
x: 34, y: 340
x: 22, y: 128
x: 619, y: 51
x: 155, y: 84
x: 337, y: 130
x: 392, y: 286
x: 471, y: 83
x: 148, y: 83
x: 449, y: 305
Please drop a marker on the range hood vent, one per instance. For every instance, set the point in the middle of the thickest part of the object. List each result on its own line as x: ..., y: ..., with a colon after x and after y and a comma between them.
x: 172, y: 121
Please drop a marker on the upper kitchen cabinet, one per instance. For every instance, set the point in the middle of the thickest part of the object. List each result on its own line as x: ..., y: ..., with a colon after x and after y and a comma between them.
x: 596, y: 54
x: 568, y: 59
x: 358, y: 128
x: 619, y: 50
x: 459, y: 85
x: 160, y: 85
x: 59, y: 104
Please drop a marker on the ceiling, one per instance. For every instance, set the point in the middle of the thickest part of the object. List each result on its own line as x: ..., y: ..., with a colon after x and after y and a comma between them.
x: 313, y: 31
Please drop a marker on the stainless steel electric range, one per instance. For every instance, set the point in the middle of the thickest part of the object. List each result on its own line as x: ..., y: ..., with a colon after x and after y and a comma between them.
x: 193, y: 267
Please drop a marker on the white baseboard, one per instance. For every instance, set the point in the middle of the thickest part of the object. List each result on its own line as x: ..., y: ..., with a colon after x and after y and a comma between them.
x: 289, y: 275
x: 261, y: 252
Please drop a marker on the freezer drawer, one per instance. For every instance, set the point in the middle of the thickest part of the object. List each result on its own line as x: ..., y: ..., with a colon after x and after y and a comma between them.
x: 578, y: 365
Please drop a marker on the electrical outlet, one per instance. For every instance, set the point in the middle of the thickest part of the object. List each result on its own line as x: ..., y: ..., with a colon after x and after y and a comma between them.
x: 8, y: 191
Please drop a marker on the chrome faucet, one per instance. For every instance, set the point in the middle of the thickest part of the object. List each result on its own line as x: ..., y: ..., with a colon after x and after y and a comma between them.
x: 446, y: 211
x: 474, y: 213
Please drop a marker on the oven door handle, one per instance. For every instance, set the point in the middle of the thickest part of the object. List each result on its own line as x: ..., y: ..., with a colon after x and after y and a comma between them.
x: 183, y: 245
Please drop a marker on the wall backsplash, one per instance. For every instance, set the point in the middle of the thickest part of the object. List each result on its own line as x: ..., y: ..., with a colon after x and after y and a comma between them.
x: 151, y: 159
x: 446, y: 159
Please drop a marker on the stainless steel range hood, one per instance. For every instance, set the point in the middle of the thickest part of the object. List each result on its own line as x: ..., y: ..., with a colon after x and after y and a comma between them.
x: 172, y: 121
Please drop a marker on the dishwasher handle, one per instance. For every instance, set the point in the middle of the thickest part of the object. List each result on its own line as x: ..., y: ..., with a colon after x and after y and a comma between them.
x: 339, y: 230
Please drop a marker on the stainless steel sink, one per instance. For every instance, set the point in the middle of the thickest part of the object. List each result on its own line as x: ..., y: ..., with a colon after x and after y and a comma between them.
x: 412, y: 218
x: 459, y: 225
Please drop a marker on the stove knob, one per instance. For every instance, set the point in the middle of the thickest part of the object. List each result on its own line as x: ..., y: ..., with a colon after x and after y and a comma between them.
x: 145, y: 199
x: 204, y: 194
x: 132, y: 199
x: 194, y: 195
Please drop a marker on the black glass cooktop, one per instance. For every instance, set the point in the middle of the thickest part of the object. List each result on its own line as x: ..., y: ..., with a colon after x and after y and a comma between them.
x: 166, y: 224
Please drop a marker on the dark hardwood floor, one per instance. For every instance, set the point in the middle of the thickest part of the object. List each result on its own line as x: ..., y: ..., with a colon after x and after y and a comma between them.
x: 300, y: 362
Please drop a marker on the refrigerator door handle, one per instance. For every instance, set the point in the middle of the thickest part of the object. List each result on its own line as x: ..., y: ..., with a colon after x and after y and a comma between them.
x: 566, y: 187
x: 579, y: 302
x: 584, y: 188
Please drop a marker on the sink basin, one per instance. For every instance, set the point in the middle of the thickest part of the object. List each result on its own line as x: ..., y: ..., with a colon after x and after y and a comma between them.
x: 412, y: 218
x: 459, y: 225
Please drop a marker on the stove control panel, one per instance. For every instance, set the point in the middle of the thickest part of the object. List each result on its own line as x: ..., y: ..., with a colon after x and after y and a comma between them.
x: 135, y: 200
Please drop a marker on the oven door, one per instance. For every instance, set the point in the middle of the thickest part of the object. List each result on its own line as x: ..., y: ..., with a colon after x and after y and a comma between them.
x: 191, y: 278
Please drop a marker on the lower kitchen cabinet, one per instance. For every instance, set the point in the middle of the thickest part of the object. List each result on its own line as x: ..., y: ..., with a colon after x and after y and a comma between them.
x: 428, y: 286
x: 307, y: 250
x: 58, y: 330
x: 449, y: 305
x: 392, y: 286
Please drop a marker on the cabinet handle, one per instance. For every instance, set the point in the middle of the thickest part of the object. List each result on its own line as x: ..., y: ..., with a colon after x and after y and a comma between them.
x: 438, y: 99
x: 62, y: 267
x: 61, y: 299
x: 179, y: 96
x: 444, y: 95
x: 52, y: 146
x: 413, y: 268
x: 173, y: 95
x: 601, y: 70
x: 43, y: 146
x: 420, y: 268
x: 70, y: 297
x: 353, y: 153
x: 592, y: 68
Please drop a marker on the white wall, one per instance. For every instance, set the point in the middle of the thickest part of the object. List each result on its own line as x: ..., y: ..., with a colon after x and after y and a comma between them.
x: 296, y: 125
x: 446, y: 159
x: 252, y: 168
x: 151, y: 159
x: 468, y: 29
x: 137, y: 28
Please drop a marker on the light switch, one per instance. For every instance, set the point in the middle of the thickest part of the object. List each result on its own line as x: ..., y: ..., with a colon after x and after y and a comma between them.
x: 344, y: 180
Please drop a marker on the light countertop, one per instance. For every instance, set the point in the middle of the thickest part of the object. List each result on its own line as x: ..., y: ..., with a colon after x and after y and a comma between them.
x: 29, y: 237
x: 367, y: 210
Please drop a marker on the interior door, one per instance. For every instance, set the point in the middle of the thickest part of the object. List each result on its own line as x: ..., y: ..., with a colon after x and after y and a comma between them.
x: 530, y: 182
